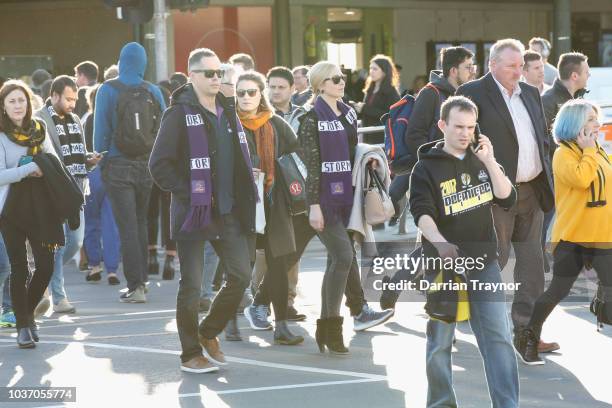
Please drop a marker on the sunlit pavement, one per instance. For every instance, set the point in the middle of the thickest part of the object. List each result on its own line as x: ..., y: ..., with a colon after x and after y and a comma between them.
x: 118, y: 355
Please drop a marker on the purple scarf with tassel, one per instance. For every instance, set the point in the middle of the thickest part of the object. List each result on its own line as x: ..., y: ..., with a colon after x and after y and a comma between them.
x: 336, y: 190
x: 200, y: 213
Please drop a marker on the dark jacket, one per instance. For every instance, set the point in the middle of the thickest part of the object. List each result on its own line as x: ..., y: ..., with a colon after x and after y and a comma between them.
x: 555, y: 97
x: 423, y: 124
x: 310, y: 152
x: 458, y: 195
x: 376, y: 105
x: 552, y: 100
x: 496, y: 123
x: 279, y: 225
x: 40, y: 206
x: 169, y: 166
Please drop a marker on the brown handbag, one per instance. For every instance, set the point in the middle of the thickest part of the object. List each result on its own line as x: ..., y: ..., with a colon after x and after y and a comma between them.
x: 377, y: 205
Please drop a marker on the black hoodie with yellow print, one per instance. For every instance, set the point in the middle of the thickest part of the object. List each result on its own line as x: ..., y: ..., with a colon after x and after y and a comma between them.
x: 457, y: 194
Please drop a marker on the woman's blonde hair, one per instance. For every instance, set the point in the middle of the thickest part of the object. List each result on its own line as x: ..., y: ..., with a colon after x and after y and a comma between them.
x: 319, y: 72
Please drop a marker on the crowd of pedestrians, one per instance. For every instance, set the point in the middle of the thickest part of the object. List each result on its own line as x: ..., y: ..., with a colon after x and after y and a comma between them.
x: 194, y: 168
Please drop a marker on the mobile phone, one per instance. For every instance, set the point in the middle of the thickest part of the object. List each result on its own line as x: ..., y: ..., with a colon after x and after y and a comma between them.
x: 476, y: 138
x: 23, y: 160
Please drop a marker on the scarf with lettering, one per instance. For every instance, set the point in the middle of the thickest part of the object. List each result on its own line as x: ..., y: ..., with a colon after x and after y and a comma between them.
x: 336, y: 189
x: 200, y: 213
x: 32, y: 137
x: 71, y: 142
x: 262, y: 129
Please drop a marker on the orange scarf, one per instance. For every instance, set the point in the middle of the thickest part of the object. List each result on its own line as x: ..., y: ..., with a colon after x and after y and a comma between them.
x: 261, y: 127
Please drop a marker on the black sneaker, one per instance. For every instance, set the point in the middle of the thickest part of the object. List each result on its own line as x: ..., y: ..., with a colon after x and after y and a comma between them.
x: 526, y: 345
x: 294, y: 316
x: 388, y: 298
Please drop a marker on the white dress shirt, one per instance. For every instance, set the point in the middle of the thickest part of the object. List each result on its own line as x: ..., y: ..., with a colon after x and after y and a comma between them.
x: 529, y: 163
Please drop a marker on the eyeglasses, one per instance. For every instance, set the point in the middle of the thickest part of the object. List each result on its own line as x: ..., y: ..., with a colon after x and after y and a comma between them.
x: 209, y: 73
x: 337, y: 78
x: 242, y: 92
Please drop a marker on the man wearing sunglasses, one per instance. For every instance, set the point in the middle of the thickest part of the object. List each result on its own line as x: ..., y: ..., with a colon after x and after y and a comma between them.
x: 201, y: 156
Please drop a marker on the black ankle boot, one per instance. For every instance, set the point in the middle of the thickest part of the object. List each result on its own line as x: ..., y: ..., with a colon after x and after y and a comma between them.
x: 34, y: 332
x: 24, y: 338
x: 282, y: 335
x: 153, y: 263
x: 335, y: 343
x: 321, y: 334
x: 168, y: 268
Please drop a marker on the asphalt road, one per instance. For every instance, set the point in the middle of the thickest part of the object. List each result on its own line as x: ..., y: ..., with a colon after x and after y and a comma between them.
x: 123, y: 355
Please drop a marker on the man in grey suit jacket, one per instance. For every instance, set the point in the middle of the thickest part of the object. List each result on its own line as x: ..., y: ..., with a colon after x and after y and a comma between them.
x: 511, y: 115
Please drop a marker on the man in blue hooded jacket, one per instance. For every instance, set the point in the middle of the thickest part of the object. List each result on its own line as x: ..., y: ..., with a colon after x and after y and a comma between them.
x: 127, y: 179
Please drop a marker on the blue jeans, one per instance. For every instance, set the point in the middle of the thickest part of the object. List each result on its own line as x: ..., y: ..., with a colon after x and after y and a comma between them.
x: 74, y: 240
x: 5, y: 271
x: 489, y: 322
x: 211, y: 260
x: 100, y: 224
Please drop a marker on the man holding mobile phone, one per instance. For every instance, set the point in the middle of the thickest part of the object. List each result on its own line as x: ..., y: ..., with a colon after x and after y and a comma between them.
x: 67, y: 136
x: 452, y: 192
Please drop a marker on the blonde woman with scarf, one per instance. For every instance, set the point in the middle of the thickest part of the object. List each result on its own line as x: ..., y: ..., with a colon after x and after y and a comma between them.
x: 269, y: 137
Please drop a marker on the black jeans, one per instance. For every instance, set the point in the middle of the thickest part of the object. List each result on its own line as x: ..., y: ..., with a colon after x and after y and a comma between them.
x: 159, y: 204
x: 355, y: 298
x: 233, y: 250
x: 128, y: 185
x: 275, y: 285
x: 26, y: 291
x: 569, y: 259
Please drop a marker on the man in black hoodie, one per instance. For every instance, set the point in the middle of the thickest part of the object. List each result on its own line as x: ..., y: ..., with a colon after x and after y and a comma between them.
x: 201, y: 151
x: 452, y: 189
x: 457, y: 68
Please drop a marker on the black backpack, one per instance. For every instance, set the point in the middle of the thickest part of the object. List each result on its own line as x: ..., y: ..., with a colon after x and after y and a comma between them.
x: 138, y: 118
x: 601, y: 306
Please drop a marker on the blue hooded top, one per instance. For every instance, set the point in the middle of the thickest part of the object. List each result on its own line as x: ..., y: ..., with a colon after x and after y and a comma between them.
x: 132, y: 65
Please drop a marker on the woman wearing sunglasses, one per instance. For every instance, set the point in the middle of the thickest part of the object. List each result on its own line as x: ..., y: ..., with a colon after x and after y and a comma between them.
x: 269, y: 137
x: 380, y: 90
x: 328, y: 136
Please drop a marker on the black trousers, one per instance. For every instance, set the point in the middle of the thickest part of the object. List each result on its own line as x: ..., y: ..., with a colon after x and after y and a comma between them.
x: 275, y: 284
x: 569, y: 259
x: 233, y: 250
x: 159, y: 204
x: 26, y: 291
x: 128, y: 185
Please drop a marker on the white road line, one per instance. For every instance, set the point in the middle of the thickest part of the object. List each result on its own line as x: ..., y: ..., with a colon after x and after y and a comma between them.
x: 284, y: 387
x: 112, y: 315
x: 231, y: 359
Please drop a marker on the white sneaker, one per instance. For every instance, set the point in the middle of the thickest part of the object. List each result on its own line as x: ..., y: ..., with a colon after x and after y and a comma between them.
x: 42, y: 307
x: 64, y: 307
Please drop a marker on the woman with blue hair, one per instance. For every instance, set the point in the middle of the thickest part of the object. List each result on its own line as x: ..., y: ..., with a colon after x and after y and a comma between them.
x: 582, y: 233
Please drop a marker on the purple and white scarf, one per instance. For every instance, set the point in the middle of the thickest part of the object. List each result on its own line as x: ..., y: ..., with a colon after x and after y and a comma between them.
x: 200, y: 214
x: 336, y: 188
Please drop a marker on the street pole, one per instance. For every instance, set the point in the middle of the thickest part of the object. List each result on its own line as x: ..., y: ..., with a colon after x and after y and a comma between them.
x: 161, y: 40
x: 562, y: 41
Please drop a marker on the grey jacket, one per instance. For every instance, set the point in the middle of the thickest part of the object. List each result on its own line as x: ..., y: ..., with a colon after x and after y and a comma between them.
x: 293, y: 118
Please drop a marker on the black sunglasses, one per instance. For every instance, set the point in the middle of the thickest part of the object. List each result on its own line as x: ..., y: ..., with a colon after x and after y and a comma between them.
x: 242, y: 92
x: 337, y: 78
x: 209, y: 73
